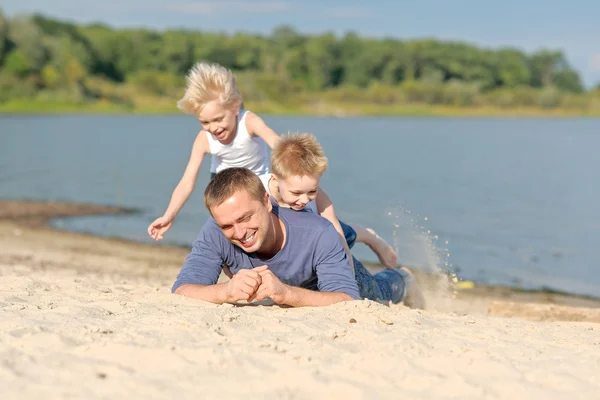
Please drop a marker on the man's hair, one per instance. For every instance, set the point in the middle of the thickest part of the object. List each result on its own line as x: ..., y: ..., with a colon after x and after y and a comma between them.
x: 207, y: 82
x: 298, y: 154
x: 229, y: 181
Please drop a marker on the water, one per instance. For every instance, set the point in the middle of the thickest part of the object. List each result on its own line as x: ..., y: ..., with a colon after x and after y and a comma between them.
x: 501, y: 201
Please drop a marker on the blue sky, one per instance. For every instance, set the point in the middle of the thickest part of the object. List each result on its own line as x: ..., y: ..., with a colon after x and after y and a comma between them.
x: 572, y: 26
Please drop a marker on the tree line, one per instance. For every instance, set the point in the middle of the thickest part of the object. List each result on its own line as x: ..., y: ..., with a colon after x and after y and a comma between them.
x: 41, y: 56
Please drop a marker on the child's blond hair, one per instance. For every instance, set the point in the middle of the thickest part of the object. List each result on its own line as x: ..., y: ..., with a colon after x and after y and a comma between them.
x: 207, y: 82
x: 298, y: 154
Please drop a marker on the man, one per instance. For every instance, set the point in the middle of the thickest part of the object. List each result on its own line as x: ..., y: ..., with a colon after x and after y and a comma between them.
x: 292, y: 257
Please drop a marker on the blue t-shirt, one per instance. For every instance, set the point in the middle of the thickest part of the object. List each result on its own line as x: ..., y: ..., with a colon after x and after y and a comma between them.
x: 312, y: 256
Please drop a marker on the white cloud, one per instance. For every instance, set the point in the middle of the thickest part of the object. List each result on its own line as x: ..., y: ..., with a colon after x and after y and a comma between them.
x: 594, y: 63
x: 348, y: 12
x: 212, y: 7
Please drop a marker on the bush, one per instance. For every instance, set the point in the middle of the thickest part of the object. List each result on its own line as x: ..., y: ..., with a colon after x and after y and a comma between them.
x: 256, y: 86
x: 525, y: 96
x: 155, y: 82
x: 50, y: 77
x: 12, y: 86
x: 502, y: 98
x: 423, y: 92
x: 383, y: 94
x: 576, y: 102
x: 345, y: 94
x: 460, y: 94
x: 549, y: 98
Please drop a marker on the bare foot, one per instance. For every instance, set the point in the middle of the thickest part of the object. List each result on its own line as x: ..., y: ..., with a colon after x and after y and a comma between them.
x: 385, y: 252
x: 414, y: 296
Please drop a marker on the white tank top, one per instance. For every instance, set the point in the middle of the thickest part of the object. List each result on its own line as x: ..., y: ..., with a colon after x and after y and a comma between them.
x: 244, y: 151
x: 310, y: 207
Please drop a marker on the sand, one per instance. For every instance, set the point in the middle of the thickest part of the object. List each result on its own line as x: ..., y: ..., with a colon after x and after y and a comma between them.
x: 88, y: 317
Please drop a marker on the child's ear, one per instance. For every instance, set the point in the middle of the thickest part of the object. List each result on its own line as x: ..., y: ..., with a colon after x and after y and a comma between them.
x: 275, y: 180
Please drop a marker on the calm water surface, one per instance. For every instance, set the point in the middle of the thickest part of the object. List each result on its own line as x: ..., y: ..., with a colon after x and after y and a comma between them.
x: 516, y: 200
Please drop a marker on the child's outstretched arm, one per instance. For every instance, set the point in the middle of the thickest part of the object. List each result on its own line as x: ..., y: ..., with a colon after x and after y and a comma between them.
x: 257, y: 127
x: 326, y: 210
x: 183, y: 190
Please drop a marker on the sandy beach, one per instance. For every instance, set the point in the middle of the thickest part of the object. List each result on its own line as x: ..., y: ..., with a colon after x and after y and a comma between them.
x: 89, y: 317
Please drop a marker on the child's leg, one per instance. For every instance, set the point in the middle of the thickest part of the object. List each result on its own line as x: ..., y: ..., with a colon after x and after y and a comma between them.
x: 385, y: 252
x: 349, y: 234
x: 397, y: 286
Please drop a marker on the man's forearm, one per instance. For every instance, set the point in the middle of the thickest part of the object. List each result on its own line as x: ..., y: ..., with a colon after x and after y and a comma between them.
x: 299, y: 297
x: 211, y: 293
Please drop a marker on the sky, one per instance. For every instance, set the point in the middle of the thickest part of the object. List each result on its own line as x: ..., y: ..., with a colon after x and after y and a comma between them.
x: 571, y: 26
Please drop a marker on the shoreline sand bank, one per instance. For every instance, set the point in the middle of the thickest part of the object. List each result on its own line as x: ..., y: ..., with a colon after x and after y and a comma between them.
x: 82, y: 315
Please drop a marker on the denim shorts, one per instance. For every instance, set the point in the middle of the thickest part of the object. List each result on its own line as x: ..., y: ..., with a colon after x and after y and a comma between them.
x: 349, y: 234
x: 384, y: 286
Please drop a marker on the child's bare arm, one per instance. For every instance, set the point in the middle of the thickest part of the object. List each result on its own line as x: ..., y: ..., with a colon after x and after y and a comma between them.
x: 188, y: 181
x: 257, y: 127
x: 326, y: 210
x: 183, y: 190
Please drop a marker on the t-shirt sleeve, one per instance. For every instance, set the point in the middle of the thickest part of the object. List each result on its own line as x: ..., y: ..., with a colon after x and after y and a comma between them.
x: 204, y: 263
x: 331, y: 263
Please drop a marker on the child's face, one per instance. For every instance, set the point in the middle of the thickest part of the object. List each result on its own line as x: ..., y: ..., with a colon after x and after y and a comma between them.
x: 297, y: 191
x: 219, y: 120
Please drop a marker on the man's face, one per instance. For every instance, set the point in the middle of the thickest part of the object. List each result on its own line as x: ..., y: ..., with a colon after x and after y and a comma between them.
x: 297, y: 191
x: 243, y: 220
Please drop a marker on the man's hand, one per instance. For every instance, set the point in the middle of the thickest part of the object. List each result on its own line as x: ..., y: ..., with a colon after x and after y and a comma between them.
x: 270, y: 287
x: 244, y: 284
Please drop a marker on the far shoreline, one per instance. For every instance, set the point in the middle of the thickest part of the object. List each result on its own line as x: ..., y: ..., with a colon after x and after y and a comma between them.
x: 336, y: 110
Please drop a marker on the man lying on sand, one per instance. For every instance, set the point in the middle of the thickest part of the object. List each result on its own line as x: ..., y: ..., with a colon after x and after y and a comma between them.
x: 294, y: 258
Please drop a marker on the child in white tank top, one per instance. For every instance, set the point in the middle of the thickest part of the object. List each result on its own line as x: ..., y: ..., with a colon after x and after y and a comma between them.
x: 233, y: 136
x: 245, y: 151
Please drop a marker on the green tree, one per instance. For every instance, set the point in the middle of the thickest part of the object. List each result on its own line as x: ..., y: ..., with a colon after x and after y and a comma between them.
x: 44, y: 53
x: 28, y: 39
x: 319, y: 60
x: 352, y: 54
x: 4, y: 39
x: 50, y: 77
x: 544, y: 65
x: 568, y: 80
x: 74, y: 72
x: 285, y: 48
x: 101, y: 40
x: 247, y: 51
x: 511, y: 68
x: 18, y: 63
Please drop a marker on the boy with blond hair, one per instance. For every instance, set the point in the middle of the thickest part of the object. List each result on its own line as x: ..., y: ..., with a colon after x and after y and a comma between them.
x: 298, y: 162
x: 233, y: 136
